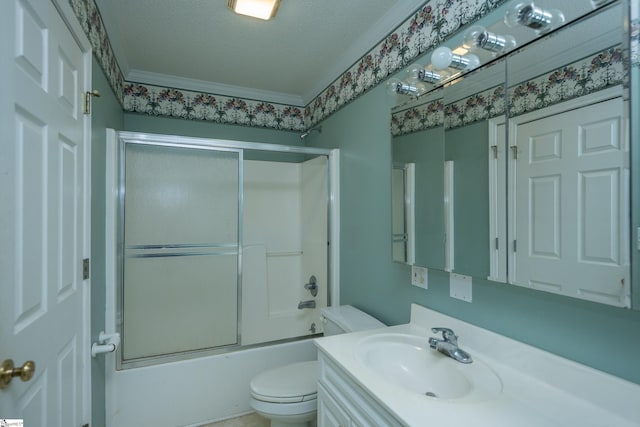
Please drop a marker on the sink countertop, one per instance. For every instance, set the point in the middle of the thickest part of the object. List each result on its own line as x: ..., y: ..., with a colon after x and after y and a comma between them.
x: 538, y: 388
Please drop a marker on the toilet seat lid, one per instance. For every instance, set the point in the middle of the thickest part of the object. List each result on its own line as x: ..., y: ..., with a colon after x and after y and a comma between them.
x: 287, y: 384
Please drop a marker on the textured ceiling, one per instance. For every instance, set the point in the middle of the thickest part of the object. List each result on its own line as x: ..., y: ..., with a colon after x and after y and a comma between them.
x: 202, y: 45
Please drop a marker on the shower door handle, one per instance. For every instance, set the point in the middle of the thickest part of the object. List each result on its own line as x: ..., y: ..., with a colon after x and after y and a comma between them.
x: 312, y: 286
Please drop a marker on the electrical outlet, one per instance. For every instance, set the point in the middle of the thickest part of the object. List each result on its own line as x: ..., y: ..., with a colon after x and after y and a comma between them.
x: 419, y: 276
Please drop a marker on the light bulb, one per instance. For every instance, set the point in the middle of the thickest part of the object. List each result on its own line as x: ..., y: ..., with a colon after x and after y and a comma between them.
x: 431, y: 76
x: 392, y: 91
x: 414, y: 72
x: 529, y: 15
x: 443, y: 58
x: 396, y: 86
x: 417, y: 73
x: 474, y: 61
x: 418, y: 89
x: 393, y: 86
x: 479, y: 37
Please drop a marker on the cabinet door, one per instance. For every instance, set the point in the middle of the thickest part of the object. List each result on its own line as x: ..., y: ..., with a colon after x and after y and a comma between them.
x: 330, y: 414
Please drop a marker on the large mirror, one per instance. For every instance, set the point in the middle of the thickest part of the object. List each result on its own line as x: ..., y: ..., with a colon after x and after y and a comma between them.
x: 527, y: 167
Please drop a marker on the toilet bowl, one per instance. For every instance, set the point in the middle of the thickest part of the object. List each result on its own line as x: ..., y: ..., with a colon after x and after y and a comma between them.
x: 287, y: 395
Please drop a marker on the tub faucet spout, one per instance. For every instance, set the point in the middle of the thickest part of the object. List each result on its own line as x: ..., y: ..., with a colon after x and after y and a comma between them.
x: 307, y: 304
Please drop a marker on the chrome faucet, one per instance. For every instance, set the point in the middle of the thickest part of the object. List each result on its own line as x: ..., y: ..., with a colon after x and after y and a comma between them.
x: 449, y: 345
x: 307, y: 304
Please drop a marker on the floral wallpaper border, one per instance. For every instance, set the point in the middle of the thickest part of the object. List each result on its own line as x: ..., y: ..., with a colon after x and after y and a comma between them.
x: 162, y: 101
x: 426, y: 28
x: 422, y: 117
x: 591, y: 74
x: 89, y: 17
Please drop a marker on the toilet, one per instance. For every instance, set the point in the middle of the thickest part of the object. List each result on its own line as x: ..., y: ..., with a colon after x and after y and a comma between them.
x: 287, y: 395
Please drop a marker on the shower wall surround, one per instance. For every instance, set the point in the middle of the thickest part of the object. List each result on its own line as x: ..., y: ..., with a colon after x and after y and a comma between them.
x: 423, y: 30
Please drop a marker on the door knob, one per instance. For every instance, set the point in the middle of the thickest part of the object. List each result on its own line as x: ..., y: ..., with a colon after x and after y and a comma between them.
x: 8, y: 372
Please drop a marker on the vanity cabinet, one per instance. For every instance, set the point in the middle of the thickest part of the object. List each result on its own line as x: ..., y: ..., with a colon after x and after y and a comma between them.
x: 343, y: 403
x: 330, y: 413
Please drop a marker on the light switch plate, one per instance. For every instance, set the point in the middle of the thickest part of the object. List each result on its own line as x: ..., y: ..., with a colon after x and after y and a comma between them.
x: 460, y: 287
x: 419, y: 276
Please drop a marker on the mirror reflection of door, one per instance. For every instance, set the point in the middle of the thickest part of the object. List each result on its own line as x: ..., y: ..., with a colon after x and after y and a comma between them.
x: 402, y: 212
x: 569, y: 187
x: 568, y: 163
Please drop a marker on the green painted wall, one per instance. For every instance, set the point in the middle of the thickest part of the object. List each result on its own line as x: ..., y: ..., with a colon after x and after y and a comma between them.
x: 600, y: 336
x: 106, y: 113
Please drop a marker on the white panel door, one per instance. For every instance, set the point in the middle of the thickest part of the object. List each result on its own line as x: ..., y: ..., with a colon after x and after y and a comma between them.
x: 570, y: 204
x: 43, y: 215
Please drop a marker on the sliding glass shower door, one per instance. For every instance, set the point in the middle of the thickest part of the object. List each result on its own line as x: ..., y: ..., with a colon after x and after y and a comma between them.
x: 180, y: 248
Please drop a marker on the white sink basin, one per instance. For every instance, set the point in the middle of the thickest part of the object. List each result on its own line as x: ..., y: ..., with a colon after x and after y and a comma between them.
x: 407, y: 361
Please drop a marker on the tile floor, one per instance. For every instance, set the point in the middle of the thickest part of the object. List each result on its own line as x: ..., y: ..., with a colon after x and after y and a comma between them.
x: 251, y: 420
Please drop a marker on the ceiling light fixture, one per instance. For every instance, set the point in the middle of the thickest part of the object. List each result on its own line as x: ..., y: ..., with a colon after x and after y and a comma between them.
x: 261, y: 9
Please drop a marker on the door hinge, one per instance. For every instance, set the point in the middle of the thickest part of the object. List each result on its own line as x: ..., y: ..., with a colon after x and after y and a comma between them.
x: 85, y: 268
x: 514, y: 246
x: 85, y: 425
x: 514, y: 149
x: 87, y: 100
x: 497, y: 245
x: 494, y: 149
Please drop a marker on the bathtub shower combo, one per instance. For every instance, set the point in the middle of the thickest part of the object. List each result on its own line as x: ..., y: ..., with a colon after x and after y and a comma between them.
x: 213, y: 246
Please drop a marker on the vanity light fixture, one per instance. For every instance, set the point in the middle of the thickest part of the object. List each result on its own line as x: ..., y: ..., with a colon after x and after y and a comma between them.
x: 528, y: 14
x: 261, y: 9
x: 397, y: 86
x: 417, y: 73
x: 479, y: 37
x: 443, y: 58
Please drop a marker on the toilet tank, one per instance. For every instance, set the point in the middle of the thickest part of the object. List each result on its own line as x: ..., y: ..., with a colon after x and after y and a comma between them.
x: 346, y: 318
